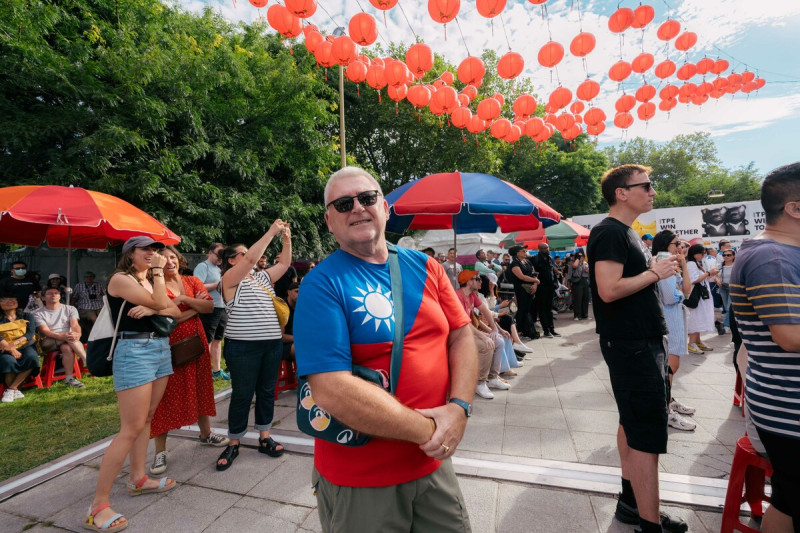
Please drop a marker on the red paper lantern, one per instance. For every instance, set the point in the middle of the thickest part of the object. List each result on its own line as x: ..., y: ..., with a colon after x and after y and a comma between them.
x: 668, y: 104
x: 642, y: 16
x: 760, y: 82
x: 685, y: 41
x: 418, y: 95
x: 376, y: 77
x: 284, y: 22
x: 301, y: 8
x: 704, y: 66
x: 646, y: 111
x: 705, y: 88
x: 720, y: 66
x: 577, y: 107
x: 595, y: 129
x: 720, y: 84
x: 748, y: 76
x: 323, y: 54
x: 396, y: 73
x: 398, y: 92
x: 435, y: 108
x: 669, y: 91
x: 460, y: 117
x: 447, y: 77
x: 476, y: 124
x: 471, y: 71
x: 443, y: 11
x: 687, y: 90
x: 419, y: 59
x: 734, y: 78
x: 471, y: 91
x: 490, y: 8
x: 620, y: 20
x: 582, y: 44
x: 645, y: 93
x: 363, y: 29
x: 698, y: 99
x: 500, y: 128
x: 594, y: 116
x: 534, y: 127
x: 356, y: 71
x: 625, y: 103
x: 500, y: 98
x: 587, y: 90
x: 665, y: 69
x: 565, y: 121
x: 551, y: 54
x: 537, y: 2
x: 489, y: 109
x: 446, y: 98
x: 343, y: 50
x: 620, y: 70
x: 383, y: 5
x: 642, y: 62
x: 510, y: 66
x: 572, y: 132
x: 623, y: 120
x: 668, y: 30
x: 513, y: 135
x: 313, y: 38
x: 524, y: 106
x: 687, y: 70
x: 258, y: 3
x: 560, y: 98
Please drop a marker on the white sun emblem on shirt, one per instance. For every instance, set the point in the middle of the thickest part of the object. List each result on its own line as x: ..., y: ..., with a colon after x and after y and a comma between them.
x: 377, y: 306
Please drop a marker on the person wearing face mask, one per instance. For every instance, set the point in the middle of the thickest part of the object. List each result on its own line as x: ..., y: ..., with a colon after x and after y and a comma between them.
x: 20, y: 284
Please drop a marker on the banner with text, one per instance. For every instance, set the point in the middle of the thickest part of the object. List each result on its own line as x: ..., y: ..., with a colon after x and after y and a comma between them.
x: 736, y: 221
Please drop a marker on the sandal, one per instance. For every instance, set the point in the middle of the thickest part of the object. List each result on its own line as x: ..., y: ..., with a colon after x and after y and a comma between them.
x: 106, y: 526
x: 137, y: 490
x: 230, y: 453
x: 270, y: 447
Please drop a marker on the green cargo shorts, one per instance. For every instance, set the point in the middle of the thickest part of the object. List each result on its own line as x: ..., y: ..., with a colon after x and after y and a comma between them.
x: 431, y: 503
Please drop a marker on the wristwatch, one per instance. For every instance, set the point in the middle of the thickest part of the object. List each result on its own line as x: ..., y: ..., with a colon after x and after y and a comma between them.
x: 467, y: 407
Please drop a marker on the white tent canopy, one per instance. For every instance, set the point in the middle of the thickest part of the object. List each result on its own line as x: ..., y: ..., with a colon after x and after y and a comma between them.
x: 441, y: 240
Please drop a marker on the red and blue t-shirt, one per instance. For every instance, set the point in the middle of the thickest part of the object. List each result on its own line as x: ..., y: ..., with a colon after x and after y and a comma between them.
x: 345, y: 316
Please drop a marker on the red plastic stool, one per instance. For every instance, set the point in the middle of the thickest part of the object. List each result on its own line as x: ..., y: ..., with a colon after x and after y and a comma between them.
x: 738, y: 390
x: 746, y: 483
x: 287, y: 377
x: 49, y: 369
x: 30, y: 381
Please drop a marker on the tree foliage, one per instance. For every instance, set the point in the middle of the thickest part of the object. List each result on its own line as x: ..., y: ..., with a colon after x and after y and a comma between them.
x: 686, y: 169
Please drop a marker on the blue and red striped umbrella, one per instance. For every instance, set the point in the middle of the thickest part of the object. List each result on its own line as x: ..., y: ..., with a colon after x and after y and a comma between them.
x: 467, y: 203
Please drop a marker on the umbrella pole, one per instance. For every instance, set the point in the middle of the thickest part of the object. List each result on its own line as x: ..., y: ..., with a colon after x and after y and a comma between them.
x: 69, y: 260
x: 455, y: 237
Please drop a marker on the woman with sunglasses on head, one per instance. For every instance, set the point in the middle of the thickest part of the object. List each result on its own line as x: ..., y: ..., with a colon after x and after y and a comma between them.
x: 253, y: 339
x: 701, y: 318
x: 723, y: 278
x: 142, y: 365
x: 672, y: 291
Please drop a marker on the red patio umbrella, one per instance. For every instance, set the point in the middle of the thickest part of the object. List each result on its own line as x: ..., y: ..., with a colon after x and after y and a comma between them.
x: 72, y: 217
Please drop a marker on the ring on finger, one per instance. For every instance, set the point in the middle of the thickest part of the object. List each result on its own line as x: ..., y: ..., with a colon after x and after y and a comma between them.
x: 446, y: 448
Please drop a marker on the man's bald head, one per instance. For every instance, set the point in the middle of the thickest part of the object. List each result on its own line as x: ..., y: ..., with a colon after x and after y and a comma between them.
x: 347, y: 172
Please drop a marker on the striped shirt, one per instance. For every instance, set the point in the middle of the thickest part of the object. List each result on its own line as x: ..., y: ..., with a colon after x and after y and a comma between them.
x: 765, y: 290
x: 251, y: 313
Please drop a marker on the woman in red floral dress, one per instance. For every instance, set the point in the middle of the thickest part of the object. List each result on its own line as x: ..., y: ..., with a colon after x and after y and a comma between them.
x: 189, y: 397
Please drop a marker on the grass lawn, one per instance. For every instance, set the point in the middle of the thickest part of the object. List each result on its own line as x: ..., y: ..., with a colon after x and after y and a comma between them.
x: 49, y: 423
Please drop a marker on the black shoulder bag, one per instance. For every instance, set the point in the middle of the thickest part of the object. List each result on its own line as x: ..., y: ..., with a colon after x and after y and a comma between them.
x: 315, y: 421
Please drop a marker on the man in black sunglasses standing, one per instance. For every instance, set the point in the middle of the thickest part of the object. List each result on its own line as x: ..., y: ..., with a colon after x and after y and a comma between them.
x: 402, y: 479
x: 630, y: 321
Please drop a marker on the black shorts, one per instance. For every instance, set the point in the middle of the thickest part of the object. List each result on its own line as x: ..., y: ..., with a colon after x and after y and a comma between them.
x: 638, y: 370
x: 785, y: 458
x: 214, y: 323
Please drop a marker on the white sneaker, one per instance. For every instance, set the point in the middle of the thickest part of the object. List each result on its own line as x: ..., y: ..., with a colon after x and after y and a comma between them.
x: 8, y: 396
x: 521, y: 348
x: 678, y: 422
x: 497, y: 383
x: 678, y: 407
x: 481, y: 390
x: 159, y: 465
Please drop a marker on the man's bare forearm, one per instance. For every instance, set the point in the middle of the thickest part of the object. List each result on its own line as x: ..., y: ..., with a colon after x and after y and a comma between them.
x: 462, y: 355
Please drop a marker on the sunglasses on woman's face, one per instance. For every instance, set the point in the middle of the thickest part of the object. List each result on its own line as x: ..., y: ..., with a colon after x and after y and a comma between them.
x: 345, y: 204
x: 727, y: 255
x: 676, y: 243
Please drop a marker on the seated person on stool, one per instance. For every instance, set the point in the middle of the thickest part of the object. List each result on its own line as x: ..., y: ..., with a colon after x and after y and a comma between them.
x: 60, y: 330
x: 288, y: 331
x: 18, y: 357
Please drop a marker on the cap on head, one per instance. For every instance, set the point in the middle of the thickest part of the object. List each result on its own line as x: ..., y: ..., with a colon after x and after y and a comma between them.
x: 514, y: 250
x: 141, y: 241
x: 724, y: 241
x: 647, y: 237
x: 53, y: 276
x: 465, y: 275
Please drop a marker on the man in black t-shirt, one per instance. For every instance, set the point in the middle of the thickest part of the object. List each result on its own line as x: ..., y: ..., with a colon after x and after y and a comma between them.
x: 543, y: 301
x: 20, y: 284
x: 522, y: 275
x: 630, y: 321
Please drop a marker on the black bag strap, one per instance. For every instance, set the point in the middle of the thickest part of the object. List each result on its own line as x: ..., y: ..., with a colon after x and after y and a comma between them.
x: 399, y: 328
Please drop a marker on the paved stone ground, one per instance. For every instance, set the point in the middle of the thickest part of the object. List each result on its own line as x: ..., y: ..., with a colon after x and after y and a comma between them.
x: 560, y: 408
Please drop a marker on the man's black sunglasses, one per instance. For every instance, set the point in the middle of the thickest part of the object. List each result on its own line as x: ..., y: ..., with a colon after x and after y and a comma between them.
x: 646, y: 185
x: 345, y: 204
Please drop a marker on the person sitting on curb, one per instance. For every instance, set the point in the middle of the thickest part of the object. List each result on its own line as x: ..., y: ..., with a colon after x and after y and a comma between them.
x: 60, y: 330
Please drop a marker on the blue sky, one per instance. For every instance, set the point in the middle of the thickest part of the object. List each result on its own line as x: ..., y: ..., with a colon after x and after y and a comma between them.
x: 764, y: 37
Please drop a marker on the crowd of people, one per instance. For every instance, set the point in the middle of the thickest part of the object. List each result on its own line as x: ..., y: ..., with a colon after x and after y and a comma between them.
x: 463, y: 336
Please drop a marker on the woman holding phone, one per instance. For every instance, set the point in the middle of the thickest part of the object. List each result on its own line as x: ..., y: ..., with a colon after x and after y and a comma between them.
x: 142, y: 364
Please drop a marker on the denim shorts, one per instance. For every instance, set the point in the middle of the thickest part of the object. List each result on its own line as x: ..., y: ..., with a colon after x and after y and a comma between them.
x: 141, y: 361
